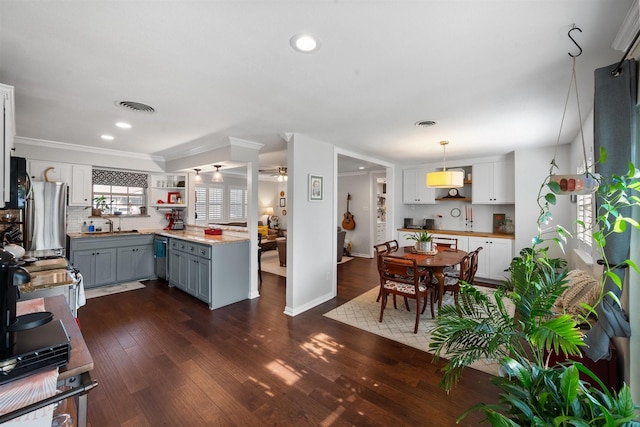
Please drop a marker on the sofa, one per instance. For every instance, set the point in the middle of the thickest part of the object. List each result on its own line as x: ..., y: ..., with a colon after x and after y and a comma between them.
x: 281, y: 243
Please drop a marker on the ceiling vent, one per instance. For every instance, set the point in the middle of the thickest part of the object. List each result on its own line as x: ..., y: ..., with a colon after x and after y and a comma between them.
x: 136, y: 106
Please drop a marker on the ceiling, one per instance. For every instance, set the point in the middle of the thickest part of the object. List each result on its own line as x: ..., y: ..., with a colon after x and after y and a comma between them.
x: 493, y: 75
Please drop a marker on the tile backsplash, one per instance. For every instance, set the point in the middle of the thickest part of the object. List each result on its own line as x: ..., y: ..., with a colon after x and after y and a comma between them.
x: 77, y: 215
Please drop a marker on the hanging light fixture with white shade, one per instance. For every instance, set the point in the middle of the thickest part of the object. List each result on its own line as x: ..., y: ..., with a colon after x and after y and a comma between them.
x: 217, y: 176
x: 445, y: 178
x: 198, y: 178
x: 282, y: 175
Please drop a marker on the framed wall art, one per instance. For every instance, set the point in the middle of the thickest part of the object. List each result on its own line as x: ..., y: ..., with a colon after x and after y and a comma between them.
x: 172, y: 197
x: 283, y: 202
x: 316, y: 188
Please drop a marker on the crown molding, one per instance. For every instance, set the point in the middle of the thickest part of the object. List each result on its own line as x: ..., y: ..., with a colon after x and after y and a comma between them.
x: 628, y: 29
x: 85, y: 149
x: 207, y: 147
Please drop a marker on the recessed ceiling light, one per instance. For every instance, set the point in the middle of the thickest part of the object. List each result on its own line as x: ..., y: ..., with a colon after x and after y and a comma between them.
x: 361, y: 167
x: 107, y: 137
x: 123, y: 125
x: 425, y: 123
x: 305, y: 42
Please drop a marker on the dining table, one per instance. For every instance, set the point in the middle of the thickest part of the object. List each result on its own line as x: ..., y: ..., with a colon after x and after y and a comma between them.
x: 435, y: 262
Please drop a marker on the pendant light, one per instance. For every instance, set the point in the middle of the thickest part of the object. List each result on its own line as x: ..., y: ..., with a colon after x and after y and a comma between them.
x: 445, y: 178
x: 282, y: 175
x: 217, y: 176
x: 198, y: 178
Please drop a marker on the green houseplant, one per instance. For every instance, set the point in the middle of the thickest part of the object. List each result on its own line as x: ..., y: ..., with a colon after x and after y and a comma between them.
x: 422, y: 239
x: 101, y: 205
x: 532, y: 391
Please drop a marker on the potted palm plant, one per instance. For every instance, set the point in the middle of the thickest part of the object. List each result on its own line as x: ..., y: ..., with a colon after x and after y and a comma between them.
x: 532, y: 391
x: 422, y: 239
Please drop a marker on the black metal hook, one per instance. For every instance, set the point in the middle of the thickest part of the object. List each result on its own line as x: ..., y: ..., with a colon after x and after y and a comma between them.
x: 574, y: 42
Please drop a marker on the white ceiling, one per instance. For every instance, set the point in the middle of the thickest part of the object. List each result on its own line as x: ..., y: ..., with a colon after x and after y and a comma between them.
x: 492, y: 74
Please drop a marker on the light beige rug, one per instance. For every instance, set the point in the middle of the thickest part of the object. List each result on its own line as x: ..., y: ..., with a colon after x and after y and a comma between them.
x: 363, y: 312
x: 271, y: 263
x: 112, y: 289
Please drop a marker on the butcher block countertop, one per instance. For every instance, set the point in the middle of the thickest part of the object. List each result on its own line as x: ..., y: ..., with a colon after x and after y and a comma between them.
x: 464, y: 233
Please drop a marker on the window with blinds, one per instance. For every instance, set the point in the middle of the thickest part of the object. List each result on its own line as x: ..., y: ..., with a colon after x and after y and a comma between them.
x: 585, y: 208
x: 209, y: 204
x: 123, y: 192
x: 238, y: 201
x: 585, y: 215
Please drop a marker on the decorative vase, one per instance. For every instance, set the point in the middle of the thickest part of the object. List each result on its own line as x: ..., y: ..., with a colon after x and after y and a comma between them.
x: 423, y: 247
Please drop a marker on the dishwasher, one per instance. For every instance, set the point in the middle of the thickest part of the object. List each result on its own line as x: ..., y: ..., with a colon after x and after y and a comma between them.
x: 160, y: 247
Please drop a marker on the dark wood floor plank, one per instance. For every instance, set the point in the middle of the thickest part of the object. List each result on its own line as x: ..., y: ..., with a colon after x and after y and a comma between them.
x: 163, y: 358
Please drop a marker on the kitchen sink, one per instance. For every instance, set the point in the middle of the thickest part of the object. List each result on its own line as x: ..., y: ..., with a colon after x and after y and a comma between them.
x: 110, y: 233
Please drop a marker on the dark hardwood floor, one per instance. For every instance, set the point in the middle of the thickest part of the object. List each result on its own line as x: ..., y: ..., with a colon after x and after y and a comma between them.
x: 163, y: 358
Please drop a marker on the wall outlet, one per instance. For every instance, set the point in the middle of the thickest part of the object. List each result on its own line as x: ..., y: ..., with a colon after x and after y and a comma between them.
x: 327, y: 276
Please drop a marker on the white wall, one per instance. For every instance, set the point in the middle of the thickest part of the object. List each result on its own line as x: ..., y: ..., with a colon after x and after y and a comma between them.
x: 532, y: 167
x: 311, y: 237
x: 361, y: 206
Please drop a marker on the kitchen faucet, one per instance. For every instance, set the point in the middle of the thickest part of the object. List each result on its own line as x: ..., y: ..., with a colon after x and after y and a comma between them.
x: 110, y: 224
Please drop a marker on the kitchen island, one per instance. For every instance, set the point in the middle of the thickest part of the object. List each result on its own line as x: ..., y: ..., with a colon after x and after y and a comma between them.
x: 213, y: 269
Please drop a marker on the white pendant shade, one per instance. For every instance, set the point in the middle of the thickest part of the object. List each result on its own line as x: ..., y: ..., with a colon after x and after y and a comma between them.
x: 217, y: 176
x: 445, y: 179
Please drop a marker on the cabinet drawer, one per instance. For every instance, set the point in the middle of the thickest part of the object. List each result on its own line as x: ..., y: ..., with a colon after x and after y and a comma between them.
x: 199, y: 250
x: 203, y: 251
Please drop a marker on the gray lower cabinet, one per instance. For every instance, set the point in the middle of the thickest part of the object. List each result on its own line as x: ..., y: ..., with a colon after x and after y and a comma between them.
x: 216, y: 274
x: 109, y: 260
x: 135, y: 262
x: 97, y: 266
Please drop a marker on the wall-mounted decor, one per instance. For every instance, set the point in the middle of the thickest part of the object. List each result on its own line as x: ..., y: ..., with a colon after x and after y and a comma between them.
x: 283, y: 202
x: 316, y: 189
x: 172, y: 197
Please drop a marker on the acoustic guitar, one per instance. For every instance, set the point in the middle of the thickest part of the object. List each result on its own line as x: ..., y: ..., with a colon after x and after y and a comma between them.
x: 348, y: 223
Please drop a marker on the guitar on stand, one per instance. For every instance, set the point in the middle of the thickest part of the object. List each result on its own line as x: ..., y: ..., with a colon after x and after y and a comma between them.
x: 348, y: 223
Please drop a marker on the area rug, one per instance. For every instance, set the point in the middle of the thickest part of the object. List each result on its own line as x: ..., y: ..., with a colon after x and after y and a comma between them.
x: 271, y: 263
x: 112, y: 289
x: 363, y: 312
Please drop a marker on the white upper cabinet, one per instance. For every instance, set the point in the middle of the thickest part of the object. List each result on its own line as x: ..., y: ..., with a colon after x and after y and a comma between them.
x: 78, y: 177
x: 414, y: 187
x: 42, y: 170
x: 80, y: 187
x: 493, y: 183
x: 7, y: 133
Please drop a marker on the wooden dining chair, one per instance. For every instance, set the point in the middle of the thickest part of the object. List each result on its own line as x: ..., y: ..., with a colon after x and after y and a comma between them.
x: 400, y: 276
x: 467, y: 273
x: 381, y: 249
x: 445, y: 242
x: 392, y: 245
x: 452, y: 284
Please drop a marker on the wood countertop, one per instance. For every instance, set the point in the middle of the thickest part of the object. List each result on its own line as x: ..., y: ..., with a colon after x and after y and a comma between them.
x: 464, y: 233
x: 80, y: 360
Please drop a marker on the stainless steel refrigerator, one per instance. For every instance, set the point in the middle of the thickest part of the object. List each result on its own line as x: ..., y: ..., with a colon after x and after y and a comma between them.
x: 45, y: 218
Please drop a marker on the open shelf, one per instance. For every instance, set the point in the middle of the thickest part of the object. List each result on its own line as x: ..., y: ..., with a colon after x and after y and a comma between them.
x: 453, y: 199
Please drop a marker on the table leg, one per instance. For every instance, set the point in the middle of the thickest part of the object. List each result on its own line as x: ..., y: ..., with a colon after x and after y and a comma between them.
x: 438, y: 273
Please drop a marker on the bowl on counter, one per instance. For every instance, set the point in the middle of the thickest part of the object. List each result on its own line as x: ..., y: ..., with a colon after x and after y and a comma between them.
x: 16, y: 250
